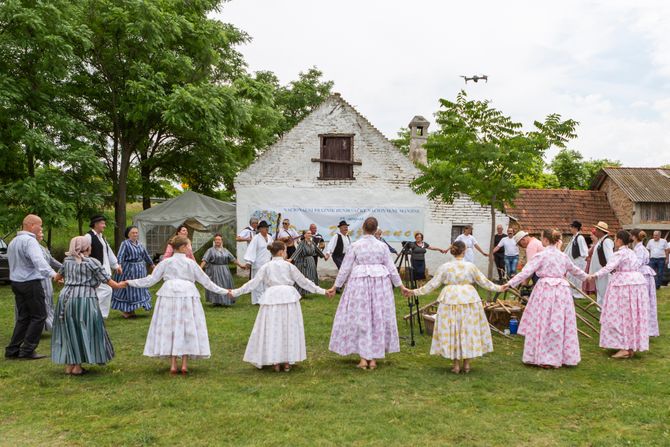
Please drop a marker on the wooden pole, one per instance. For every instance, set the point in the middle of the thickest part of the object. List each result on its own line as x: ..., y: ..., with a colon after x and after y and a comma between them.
x: 499, y: 332
x: 586, y: 322
x: 584, y: 295
x: 584, y: 333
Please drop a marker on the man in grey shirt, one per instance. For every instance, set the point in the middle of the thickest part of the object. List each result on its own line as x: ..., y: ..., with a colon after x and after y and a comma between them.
x: 27, y: 268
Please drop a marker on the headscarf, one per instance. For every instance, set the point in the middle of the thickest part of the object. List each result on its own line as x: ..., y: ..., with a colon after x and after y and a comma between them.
x: 78, y: 245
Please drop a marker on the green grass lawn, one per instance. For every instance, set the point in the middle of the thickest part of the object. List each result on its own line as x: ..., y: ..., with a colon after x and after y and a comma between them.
x: 411, y: 399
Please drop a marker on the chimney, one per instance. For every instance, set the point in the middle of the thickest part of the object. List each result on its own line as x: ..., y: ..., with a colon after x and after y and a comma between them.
x: 418, y: 135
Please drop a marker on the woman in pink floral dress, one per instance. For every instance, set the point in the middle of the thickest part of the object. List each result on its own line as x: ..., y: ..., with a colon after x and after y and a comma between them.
x: 365, y: 322
x: 643, y: 256
x: 549, y: 323
x: 624, y: 321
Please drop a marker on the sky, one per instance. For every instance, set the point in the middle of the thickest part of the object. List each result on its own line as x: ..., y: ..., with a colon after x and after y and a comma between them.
x: 605, y: 64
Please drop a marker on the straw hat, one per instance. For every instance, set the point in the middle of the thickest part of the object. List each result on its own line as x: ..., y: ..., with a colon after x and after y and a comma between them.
x: 520, y: 235
x: 602, y: 226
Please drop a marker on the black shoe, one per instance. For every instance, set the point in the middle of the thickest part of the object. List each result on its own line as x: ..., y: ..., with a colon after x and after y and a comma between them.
x: 12, y: 356
x: 32, y: 356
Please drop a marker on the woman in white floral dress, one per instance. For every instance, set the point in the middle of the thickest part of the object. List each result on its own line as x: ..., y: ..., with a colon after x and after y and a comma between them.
x: 178, y: 327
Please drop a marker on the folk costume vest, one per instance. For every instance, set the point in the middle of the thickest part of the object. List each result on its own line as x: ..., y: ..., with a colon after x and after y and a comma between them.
x: 576, y: 253
x: 339, y: 246
x: 97, y: 249
x: 601, y: 253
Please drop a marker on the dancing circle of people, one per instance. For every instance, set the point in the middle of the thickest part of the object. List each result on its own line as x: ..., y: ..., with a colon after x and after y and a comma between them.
x: 285, y: 270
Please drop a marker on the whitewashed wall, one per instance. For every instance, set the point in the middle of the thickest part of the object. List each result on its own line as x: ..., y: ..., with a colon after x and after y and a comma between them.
x: 285, y: 176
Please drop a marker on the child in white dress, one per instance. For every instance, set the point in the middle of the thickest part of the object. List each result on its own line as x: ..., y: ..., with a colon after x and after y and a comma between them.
x: 278, y: 336
x: 178, y: 327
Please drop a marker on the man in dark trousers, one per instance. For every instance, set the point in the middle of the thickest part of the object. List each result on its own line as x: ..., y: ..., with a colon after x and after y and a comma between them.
x: 499, y: 255
x: 27, y: 268
x: 317, y: 238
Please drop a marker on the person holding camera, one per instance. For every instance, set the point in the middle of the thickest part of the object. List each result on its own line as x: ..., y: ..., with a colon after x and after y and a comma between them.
x: 417, y: 254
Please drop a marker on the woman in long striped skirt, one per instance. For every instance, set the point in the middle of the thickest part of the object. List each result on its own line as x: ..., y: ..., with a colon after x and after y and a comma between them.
x: 79, y: 334
x: 304, y: 258
x: 133, y: 258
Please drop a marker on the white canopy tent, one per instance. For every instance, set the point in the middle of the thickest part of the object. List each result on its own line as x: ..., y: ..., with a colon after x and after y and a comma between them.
x: 204, y: 216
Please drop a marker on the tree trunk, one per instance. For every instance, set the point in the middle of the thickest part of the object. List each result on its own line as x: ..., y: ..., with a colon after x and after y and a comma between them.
x: 145, y: 175
x: 491, y: 242
x: 121, y: 195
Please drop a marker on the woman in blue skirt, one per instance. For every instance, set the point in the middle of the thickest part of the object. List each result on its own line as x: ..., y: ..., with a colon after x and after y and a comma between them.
x: 79, y: 334
x: 133, y: 259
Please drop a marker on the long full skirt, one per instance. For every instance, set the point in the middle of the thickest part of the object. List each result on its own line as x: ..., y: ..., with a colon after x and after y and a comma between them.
x: 278, y: 336
x: 79, y: 334
x: 461, y: 332
x: 550, y: 327
x: 220, y: 275
x: 624, y: 321
x: 365, y: 322
x: 178, y: 328
x: 307, y: 266
x: 131, y: 298
x: 653, y: 312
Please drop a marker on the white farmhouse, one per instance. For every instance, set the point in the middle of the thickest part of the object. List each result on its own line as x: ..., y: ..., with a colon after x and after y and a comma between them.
x: 336, y: 165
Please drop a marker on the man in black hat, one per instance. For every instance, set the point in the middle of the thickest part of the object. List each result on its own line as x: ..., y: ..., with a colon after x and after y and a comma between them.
x: 257, y: 255
x: 339, y: 244
x: 101, y: 251
x: 577, y: 251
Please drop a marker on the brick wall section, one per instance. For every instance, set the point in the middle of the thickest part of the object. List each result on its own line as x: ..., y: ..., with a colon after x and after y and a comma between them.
x: 623, y: 207
x: 284, y: 175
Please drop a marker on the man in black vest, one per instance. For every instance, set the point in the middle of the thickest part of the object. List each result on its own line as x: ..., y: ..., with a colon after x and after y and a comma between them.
x: 602, y: 253
x: 101, y: 251
x: 339, y: 244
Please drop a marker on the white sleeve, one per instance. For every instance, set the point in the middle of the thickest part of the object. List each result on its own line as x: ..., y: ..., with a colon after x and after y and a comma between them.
x: 303, y: 282
x: 150, y: 280
x: 250, y: 253
x: 608, y: 247
x: 113, y: 262
x: 501, y: 243
x: 253, y: 283
x: 203, y: 279
x: 331, y: 245
x: 583, y: 249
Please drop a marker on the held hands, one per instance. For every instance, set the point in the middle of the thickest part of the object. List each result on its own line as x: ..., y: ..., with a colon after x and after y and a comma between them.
x: 330, y: 292
x: 119, y: 270
x: 504, y: 287
x: 406, y: 292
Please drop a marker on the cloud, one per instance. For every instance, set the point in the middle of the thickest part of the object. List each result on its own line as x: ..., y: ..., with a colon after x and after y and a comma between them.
x: 605, y: 63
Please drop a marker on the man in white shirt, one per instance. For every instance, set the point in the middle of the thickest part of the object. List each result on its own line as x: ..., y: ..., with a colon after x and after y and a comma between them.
x: 511, y: 250
x: 658, y: 256
x: 602, y: 253
x: 289, y: 236
x: 577, y: 250
x: 249, y: 232
x: 101, y: 251
x: 339, y: 244
x: 470, y: 244
x: 257, y: 255
x: 27, y: 268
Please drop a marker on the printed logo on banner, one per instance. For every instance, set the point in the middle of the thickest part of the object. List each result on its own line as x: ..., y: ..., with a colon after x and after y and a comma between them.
x: 398, y: 223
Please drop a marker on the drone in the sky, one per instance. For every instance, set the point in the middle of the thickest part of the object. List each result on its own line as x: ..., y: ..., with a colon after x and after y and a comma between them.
x: 476, y: 78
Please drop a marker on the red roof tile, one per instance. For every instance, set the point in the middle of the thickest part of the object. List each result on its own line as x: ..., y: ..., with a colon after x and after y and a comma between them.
x: 539, y: 209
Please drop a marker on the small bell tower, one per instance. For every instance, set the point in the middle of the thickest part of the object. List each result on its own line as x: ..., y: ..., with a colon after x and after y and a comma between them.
x: 418, y: 136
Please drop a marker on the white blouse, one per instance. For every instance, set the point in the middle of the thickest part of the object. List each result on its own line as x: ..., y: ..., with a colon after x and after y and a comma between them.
x: 257, y: 252
x: 278, y: 277
x: 180, y: 275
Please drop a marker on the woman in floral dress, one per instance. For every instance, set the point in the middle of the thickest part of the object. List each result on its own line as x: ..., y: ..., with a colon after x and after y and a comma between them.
x: 365, y: 321
x: 461, y: 329
x: 624, y: 320
x: 549, y: 323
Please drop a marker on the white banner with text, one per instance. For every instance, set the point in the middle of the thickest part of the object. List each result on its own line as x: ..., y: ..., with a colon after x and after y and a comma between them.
x: 398, y: 223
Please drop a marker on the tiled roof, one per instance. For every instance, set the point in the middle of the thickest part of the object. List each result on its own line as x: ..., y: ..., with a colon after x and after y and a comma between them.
x: 639, y: 184
x: 539, y: 209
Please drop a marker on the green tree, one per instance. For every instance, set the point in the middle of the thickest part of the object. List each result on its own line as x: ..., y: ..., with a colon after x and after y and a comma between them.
x: 478, y: 151
x: 402, y: 142
x: 158, y: 75
x: 301, y: 97
x: 37, y: 43
x: 593, y: 167
x: 573, y: 172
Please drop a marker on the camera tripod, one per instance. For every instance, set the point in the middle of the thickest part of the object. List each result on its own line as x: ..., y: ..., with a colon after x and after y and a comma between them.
x: 402, y: 261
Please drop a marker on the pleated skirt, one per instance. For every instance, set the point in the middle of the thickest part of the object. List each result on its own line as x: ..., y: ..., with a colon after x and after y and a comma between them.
x: 178, y: 328
x: 131, y: 298
x: 79, y: 334
x: 278, y: 336
x: 624, y: 321
x: 461, y: 332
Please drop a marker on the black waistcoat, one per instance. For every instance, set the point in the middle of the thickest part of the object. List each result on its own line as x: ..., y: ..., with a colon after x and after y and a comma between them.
x: 97, y: 249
